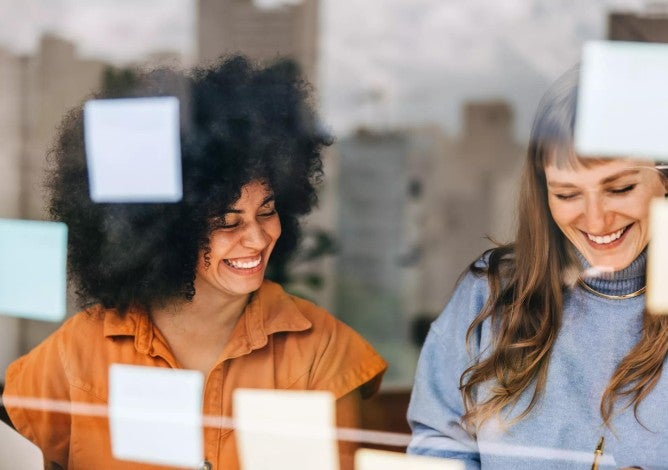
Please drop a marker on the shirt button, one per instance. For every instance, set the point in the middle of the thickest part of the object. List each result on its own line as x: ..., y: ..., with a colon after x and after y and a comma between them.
x: 206, y: 465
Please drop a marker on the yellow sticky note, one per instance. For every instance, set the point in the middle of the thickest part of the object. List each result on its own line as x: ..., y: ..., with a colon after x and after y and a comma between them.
x: 368, y: 459
x: 657, y: 263
x: 285, y: 430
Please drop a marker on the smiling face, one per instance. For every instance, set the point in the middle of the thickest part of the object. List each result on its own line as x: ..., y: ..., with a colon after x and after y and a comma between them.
x: 603, y: 209
x: 240, y: 245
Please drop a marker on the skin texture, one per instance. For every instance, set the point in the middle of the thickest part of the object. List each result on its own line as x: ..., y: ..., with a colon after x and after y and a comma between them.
x: 600, y: 200
x: 198, y: 331
x: 247, y: 233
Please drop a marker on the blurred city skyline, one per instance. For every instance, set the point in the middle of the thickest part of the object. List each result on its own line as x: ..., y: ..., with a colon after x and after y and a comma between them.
x: 382, y: 64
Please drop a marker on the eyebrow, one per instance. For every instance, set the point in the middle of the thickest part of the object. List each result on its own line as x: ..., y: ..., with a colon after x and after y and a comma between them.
x: 265, y: 201
x: 606, y: 180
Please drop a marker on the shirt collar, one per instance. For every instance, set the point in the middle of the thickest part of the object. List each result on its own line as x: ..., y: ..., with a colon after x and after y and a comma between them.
x: 270, y: 310
x: 135, y: 322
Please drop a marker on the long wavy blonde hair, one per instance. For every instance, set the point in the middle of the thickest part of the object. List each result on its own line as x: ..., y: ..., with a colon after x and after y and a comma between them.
x: 527, y: 281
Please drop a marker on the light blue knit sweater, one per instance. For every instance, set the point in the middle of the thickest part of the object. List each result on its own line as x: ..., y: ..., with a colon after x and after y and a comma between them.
x: 563, y: 429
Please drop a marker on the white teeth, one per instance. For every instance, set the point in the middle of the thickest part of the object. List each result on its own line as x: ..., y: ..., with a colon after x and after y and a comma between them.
x: 604, y: 240
x: 244, y: 264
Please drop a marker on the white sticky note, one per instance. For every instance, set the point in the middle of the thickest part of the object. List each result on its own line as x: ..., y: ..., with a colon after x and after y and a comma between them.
x: 370, y: 459
x: 622, y: 106
x: 285, y: 430
x: 133, y: 149
x: 275, y: 4
x: 18, y: 452
x: 657, y: 258
x: 33, y: 263
x: 155, y: 415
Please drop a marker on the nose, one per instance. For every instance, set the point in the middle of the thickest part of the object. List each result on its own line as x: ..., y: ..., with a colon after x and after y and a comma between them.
x: 596, y: 215
x: 255, y: 237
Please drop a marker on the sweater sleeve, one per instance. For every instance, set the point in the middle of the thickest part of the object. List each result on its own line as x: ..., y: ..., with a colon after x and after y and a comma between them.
x: 436, y: 405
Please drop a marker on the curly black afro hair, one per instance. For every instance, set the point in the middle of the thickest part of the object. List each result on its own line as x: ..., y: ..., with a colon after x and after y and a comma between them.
x: 239, y: 123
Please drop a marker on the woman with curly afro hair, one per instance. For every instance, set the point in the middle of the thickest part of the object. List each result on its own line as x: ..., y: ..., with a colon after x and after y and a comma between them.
x: 182, y: 285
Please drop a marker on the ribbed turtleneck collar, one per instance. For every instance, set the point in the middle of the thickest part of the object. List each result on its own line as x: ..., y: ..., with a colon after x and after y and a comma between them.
x: 626, y: 281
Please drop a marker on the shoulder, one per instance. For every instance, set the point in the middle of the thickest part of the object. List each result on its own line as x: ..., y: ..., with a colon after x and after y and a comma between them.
x: 82, y: 326
x: 51, y: 365
x: 468, y: 298
x: 342, y: 359
x: 75, y: 351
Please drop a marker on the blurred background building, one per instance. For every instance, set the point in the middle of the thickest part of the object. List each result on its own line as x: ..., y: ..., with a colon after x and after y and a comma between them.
x: 287, y: 28
x: 650, y: 25
x: 37, y: 91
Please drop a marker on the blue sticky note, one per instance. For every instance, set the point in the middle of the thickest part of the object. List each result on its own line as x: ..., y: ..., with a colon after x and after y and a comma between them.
x: 33, y: 269
x: 622, y: 100
x: 155, y: 415
x: 133, y: 149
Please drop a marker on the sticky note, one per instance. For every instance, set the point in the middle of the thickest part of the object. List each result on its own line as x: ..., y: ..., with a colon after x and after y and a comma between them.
x: 133, y: 149
x: 369, y: 459
x: 657, y: 258
x: 281, y: 430
x: 18, y: 452
x: 155, y: 415
x: 622, y: 96
x: 275, y: 4
x: 33, y: 261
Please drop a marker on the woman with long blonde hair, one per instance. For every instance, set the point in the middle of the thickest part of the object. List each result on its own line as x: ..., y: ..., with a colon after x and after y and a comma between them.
x: 546, y: 346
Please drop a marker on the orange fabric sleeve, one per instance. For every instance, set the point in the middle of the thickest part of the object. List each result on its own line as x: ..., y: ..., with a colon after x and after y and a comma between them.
x: 40, y: 374
x: 345, y: 362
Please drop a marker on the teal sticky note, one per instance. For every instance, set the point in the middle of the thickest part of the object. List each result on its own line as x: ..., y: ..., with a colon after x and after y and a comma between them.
x: 33, y: 269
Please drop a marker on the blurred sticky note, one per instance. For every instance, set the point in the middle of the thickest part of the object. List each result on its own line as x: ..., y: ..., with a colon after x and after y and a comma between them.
x: 657, y: 263
x: 18, y: 452
x: 133, y: 149
x: 369, y: 459
x: 33, y: 261
x: 155, y: 415
x: 281, y: 430
x: 622, y: 106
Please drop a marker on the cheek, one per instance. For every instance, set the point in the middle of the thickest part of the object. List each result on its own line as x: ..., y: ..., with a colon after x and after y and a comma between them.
x: 220, y: 245
x: 561, y: 213
x: 272, y: 228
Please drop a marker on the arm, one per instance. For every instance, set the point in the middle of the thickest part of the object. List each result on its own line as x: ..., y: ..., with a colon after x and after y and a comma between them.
x: 348, y: 416
x: 40, y: 375
x: 436, y: 406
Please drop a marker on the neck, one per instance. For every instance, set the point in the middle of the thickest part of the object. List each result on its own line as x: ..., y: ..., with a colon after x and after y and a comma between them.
x: 203, y: 314
x: 623, y: 282
x: 198, y: 331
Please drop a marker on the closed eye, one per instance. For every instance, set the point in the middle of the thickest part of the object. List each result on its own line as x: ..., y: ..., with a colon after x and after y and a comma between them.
x: 623, y: 190
x: 268, y: 214
x: 219, y: 223
x: 565, y: 197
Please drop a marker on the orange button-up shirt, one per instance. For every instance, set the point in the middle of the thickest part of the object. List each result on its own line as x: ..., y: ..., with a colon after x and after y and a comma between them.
x: 280, y: 342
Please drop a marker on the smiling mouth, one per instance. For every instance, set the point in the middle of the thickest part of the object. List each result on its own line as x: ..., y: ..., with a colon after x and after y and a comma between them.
x: 247, y: 264
x: 609, y: 238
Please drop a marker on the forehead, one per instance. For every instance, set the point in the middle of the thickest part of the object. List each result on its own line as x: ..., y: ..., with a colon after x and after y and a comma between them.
x: 585, y: 170
x: 254, y: 193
